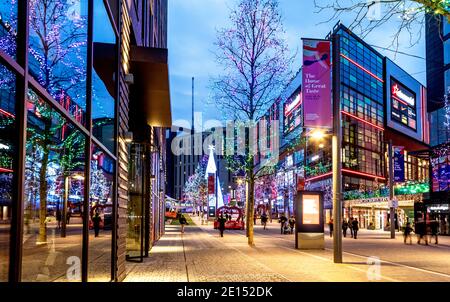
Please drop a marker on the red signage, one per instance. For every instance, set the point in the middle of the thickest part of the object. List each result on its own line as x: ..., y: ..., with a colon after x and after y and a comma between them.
x: 211, y: 184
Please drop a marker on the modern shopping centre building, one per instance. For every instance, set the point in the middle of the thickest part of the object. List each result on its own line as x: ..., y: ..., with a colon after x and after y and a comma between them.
x: 381, y: 105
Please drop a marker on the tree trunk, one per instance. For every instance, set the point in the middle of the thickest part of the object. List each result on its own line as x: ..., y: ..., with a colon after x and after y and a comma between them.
x: 251, y: 206
x: 43, y: 197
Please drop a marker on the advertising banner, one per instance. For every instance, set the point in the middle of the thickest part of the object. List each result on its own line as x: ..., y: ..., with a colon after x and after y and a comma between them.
x: 399, y: 164
x: 311, y: 209
x: 316, y: 84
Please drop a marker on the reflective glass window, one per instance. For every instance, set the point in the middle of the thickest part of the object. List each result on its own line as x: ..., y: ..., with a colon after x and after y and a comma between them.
x: 7, y: 151
x: 447, y: 51
x: 54, y: 196
x: 58, y: 49
x: 103, y: 86
x: 100, y: 216
x: 8, y: 26
x: 446, y: 28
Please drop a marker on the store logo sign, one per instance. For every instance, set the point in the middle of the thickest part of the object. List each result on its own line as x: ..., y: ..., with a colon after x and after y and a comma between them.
x: 403, y: 96
x: 293, y: 105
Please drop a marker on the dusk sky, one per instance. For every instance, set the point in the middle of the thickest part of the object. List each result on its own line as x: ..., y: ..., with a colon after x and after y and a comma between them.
x: 192, y: 33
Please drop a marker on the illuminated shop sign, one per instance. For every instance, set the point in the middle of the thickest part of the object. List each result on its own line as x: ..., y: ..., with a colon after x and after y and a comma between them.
x: 403, y: 104
x: 293, y: 105
x: 292, y: 113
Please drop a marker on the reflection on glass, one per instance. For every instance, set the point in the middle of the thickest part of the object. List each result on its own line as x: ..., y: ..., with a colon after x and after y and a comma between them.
x: 135, y: 210
x: 7, y: 150
x: 100, y: 216
x: 54, y: 190
x: 57, y: 52
x: 103, y: 87
x: 8, y: 26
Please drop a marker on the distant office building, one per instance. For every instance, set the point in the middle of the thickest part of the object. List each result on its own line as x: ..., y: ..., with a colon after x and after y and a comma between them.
x: 438, y: 82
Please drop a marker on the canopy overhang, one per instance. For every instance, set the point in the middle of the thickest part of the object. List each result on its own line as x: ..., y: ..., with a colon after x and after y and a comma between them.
x: 150, y: 70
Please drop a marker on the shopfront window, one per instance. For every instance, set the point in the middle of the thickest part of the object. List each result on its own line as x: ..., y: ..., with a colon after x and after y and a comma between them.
x: 103, y: 85
x: 57, y: 53
x: 100, y: 216
x: 54, y: 196
x: 135, y: 210
x: 8, y: 27
x: 7, y: 150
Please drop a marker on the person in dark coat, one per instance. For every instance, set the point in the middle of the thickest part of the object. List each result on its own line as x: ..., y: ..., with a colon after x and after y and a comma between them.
x: 283, y: 221
x: 421, y: 230
x: 292, y: 224
x: 355, y: 227
x: 350, y: 226
x: 96, y: 221
x: 58, y: 217
x: 222, y: 222
x: 264, y: 219
x: 183, y: 222
x: 344, y: 227
x: 407, y: 233
x: 434, y: 228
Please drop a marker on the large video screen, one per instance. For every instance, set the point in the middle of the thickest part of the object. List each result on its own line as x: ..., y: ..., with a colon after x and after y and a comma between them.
x: 403, y: 102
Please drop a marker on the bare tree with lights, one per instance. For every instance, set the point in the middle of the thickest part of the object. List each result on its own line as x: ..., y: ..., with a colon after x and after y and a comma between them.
x: 369, y: 15
x: 255, y: 60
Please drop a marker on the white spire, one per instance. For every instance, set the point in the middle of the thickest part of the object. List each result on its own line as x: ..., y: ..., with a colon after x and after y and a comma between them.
x: 211, y: 167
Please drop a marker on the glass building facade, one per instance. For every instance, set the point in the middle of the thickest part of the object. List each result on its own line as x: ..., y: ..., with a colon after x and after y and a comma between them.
x: 58, y: 115
x: 65, y: 158
x: 306, y: 162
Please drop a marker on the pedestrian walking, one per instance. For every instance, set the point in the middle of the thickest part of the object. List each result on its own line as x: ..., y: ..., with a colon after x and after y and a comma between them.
x: 283, y: 221
x: 96, y: 222
x: 331, y: 226
x: 407, y: 233
x: 222, y: 222
x: 68, y: 216
x: 355, y: 227
x: 421, y: 230
x: 58, y: 217
x: 350, y: 226
x: 344, y: 227
x: 264, y: 220
x: 183, y: 222
x: 434, y: 228
x: 292, y: 224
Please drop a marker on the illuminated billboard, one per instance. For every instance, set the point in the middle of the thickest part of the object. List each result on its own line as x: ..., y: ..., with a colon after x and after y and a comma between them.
x: 406, y: 103
x: 311, y: 209
x: 403, y: 105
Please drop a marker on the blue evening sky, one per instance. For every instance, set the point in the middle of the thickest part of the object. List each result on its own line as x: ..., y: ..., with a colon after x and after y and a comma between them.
x: 192, y: 32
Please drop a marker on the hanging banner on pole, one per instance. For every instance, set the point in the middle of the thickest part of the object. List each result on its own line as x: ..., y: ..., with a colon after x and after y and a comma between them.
x: 211, y: 184
x: 399, y: 164
x: 316, y: 84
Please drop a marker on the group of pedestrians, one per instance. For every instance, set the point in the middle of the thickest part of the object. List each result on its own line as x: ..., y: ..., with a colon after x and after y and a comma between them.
x: 351, y: 223
x: 287, y: 225
x: 423, y: 231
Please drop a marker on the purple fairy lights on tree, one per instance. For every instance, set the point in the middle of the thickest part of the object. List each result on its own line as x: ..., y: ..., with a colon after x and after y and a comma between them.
x: 255, y: 60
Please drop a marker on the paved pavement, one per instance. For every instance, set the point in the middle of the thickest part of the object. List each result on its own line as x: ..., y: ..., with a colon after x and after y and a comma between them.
x: 201, y: 255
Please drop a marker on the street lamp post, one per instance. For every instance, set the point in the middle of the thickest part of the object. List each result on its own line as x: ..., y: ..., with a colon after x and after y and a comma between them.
x: 337, y: 159
x: 391, y: 190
